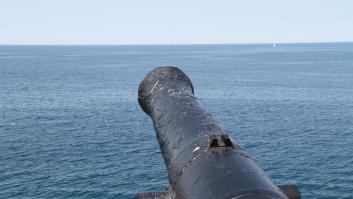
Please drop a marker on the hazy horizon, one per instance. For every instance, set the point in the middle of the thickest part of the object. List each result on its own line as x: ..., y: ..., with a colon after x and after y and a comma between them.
x: 171, y: 44
x: 158, y: 22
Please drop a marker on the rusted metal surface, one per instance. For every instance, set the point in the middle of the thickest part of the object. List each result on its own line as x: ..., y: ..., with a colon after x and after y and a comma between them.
x: 201, y: 159
x: 156, y: 195
x: 291, y: 191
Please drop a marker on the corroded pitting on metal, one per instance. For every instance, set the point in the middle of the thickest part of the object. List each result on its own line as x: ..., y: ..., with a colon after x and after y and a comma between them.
x: 258, y: 193
x: 204, y: 150
x: 198, y: 153
x: 157, y: 77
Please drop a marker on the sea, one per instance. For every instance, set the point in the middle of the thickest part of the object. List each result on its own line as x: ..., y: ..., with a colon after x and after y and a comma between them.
x: 71, y: 126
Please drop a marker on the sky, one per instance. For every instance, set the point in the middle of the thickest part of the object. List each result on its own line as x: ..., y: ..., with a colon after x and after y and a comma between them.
x: 174, y: 22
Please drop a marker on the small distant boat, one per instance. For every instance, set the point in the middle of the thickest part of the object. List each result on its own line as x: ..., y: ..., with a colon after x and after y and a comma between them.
x: 274, y: 45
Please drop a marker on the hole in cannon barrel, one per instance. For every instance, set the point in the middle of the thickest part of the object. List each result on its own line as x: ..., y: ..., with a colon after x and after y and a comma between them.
x: 222, y: 140
x: 227, y: 141
x: 212, y: 142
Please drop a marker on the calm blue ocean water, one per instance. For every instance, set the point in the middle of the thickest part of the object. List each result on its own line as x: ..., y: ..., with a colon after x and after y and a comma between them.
x: 71, y: 127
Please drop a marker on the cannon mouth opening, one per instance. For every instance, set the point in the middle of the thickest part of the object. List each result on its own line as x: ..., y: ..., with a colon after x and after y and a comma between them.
x: 161, y: 77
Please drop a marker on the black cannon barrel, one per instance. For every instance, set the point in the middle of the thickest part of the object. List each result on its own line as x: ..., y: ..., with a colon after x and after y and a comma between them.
x: 202, y: 161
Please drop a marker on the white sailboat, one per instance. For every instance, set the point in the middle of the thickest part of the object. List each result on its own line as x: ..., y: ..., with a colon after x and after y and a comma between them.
x: 274, y: 44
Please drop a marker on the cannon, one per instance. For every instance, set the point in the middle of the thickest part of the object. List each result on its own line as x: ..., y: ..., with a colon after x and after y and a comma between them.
x: 202, y: 161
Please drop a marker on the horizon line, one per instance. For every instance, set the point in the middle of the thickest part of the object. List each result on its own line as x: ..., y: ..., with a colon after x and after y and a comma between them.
x: 168, y: 44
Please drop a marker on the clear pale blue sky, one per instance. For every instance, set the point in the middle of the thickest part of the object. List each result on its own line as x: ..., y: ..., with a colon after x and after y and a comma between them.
x: 177, y: 21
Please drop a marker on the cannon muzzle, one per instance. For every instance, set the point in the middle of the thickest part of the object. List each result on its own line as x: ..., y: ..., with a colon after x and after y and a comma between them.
x: 202, y: 161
